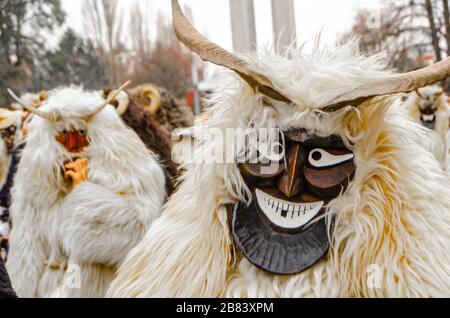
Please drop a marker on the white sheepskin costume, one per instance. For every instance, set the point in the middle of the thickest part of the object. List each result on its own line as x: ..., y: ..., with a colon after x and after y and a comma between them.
x: 437, y: 137
x: 447, y: 152
x: 87, y: 229
x: 393, y: 218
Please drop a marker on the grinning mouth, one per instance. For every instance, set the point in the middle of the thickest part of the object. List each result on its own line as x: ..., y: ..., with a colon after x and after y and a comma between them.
x: 428, y: 121
x: 428, y: 117
x: 285, y: 214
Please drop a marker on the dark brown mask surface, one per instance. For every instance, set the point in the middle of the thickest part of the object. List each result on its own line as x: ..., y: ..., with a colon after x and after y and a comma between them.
x: 283, y: 231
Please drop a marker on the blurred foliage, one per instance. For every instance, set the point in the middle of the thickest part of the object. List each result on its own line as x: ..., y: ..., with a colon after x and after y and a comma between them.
x: 166, y: 63
x: 23, y: 24
x: 410, y: 32
x: 144, y: 51
x: 110, y: 52
x: 27, y: 64
x: 74, y: 62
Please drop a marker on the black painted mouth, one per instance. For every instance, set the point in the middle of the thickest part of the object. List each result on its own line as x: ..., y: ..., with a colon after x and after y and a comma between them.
x: 273, y: 250
x: 430, y: 124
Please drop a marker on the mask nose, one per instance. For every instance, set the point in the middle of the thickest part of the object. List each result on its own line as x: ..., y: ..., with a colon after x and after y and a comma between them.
x: 72, y: 140
x: 291, y: 182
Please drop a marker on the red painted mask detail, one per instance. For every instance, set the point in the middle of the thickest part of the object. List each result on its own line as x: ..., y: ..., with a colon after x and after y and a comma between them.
x: 73, y: 141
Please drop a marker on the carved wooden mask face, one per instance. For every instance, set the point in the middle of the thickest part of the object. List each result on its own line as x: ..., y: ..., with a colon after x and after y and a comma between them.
x: 428, y: 107
x: 281, y: 230
x: 74, y: 141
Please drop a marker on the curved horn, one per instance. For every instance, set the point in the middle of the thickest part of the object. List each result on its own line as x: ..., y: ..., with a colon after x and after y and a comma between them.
x: 109, y: 99
x: 123, y: 102
x: 32, y: 109
x: 154, y: 96
x: 213, y: 53
x: 401, y: 83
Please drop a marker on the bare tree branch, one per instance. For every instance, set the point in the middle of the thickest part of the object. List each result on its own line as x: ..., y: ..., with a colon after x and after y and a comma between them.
x: 434, y: 30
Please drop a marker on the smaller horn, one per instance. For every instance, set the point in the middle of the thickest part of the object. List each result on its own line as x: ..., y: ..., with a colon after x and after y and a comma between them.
x: 109, y: 99
x: 418, y: 93
x: 43, y: 95
x: 30, y: 108
x: 123, y: 102
x: 394, y: 84
x: 154, y: 96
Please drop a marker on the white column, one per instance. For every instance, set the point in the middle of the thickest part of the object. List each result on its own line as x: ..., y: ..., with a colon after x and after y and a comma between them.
x: 243, y: 25
x: 283, y: 18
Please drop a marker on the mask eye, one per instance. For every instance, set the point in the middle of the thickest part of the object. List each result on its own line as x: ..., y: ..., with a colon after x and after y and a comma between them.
x: 319, y: 158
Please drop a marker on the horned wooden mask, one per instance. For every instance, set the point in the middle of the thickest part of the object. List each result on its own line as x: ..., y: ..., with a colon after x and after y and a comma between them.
x: 427, y: 102
x: 283, y: 230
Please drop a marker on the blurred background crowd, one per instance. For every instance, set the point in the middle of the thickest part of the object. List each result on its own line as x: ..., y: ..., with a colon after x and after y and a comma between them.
x: 99, y: 43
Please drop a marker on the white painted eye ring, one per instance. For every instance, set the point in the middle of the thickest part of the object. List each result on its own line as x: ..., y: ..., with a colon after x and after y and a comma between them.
x: 320, y: 158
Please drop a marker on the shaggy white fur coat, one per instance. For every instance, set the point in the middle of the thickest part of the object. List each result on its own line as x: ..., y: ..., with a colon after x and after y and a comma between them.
x: 89, y: 229
x: 447, y: 152
x: 392, y: 224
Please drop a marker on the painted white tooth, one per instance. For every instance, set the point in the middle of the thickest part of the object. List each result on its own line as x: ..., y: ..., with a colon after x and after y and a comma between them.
x: 305, y: 211
x: 291, y: 210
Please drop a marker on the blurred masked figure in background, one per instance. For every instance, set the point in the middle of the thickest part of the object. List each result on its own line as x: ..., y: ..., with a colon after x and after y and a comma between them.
x: 85, y: 192
x: 428, y: 106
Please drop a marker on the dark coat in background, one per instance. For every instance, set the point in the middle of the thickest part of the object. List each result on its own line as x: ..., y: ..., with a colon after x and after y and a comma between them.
x: 173, y: 113
x: 5, y: 197
x: 154, y: 136
x: 6, y: 290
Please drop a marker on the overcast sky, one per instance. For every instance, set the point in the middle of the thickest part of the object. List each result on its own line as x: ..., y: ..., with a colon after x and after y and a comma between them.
x: 212, y: 17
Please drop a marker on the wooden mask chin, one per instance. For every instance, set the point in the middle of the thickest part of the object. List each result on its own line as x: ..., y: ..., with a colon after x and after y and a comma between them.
x: 283, y: 230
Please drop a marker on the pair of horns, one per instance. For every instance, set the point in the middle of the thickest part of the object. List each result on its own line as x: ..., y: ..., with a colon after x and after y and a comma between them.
x: 211, y: 52
x: 51, y: 117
